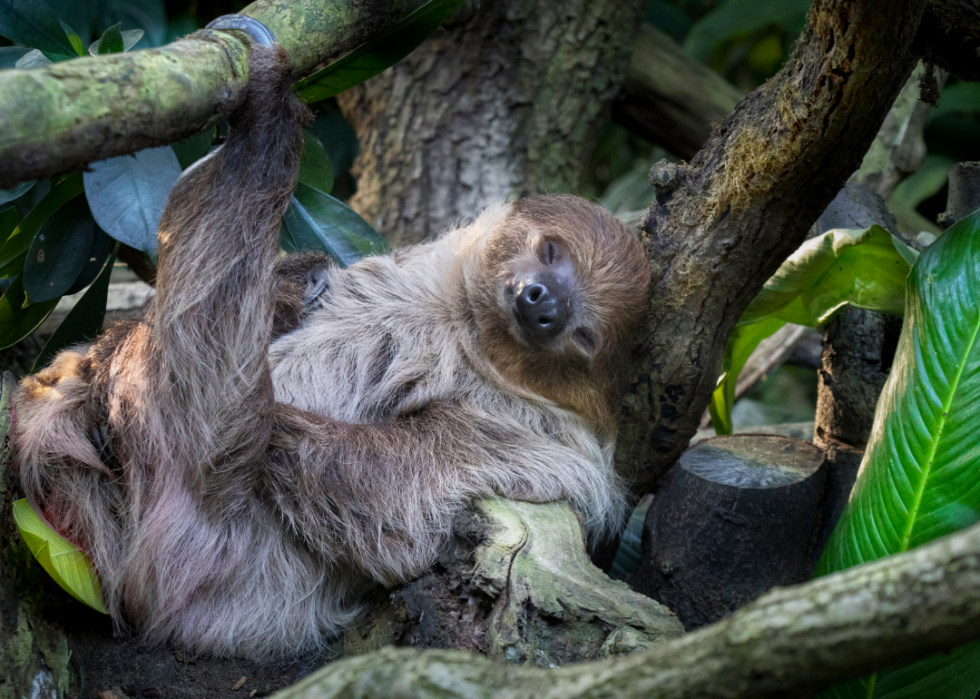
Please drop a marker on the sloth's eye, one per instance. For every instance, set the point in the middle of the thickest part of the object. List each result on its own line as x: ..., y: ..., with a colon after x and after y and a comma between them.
x: 551, y: 252
x: 585, y: 339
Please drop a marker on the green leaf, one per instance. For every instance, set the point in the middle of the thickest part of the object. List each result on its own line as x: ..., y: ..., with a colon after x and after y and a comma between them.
x: 918, y: 478
x: 865, y: 269
x: 958, y: 98
x: 111, y: 40
x: 9, y: 55
x: 18, y: 191
x: 315, y: 168
x: 32, y: 23
x: 9, y: 218
x: 84, y: 320
x: 734, y: 17
x: 13, y: 251
x: 59, y: 252
x: 317, y: 221
x: 127, y: 195
x: 73, y: 38
x: 378, y: 54
x: 130, y: 38
x: 193, y: 149
x: 63, y: 561
x: 16, y: 321
x: 743, y: 341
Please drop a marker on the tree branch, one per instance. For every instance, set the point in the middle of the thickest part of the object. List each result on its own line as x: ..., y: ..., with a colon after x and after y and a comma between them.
x: 669, y: 98
x: 62, y: 117
x: 789, y: 642
x: 722, y: 225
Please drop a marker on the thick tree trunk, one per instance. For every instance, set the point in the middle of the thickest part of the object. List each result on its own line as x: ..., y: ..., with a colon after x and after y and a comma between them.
x: 723, y: 224
x: 505, y: 101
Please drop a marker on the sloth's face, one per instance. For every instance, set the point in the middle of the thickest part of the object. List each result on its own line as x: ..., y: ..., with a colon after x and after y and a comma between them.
x: 562, y: 287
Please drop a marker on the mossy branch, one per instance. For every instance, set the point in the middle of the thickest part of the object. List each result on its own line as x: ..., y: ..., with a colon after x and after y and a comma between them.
x: 62, y: 117
x: 789, y: 642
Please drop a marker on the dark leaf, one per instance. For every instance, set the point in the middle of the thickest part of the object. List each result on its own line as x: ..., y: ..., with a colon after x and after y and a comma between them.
x: 127, y: 195
x: 9, y: 218
x: 148, y: 15
x: 378, y: 54
x: 9, y: 55
x: 18, y: 191
x: 32, y: 23
x: 101, y: 246
x: 193, y: 149
x: 111, y: 40
x: 734, y: 17
x: 14, y: 250
x: 17, y: 322
x: 317, y: 221
x: 84, y: 320
x: 315, y: 168
x: 59, y: 252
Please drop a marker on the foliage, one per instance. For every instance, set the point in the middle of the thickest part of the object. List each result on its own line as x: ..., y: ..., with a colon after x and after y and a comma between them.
x: 61, y: 245
x: 865, y: 269
x: 918, y: 477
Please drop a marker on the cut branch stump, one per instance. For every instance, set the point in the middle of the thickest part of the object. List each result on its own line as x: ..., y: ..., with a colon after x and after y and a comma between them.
x: 735, y: 517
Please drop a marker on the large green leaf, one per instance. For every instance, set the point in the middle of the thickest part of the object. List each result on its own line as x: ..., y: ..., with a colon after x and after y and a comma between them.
x: 16, y: 321
x: 317, y: 221
x: 32, y: 23
x: 63, y: 561
x: 743, y: 341
x: 127, y: 194
x: 378, y: 54
x: 866, y: 269
x: 13, y: 251
x: 84, y: 320
x: 918, y: 480
x: 102, y: 245
x: 59, y: 252
x: 734, y: 17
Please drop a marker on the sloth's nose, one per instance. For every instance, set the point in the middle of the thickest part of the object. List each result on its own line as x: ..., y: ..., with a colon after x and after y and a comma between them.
x: 542, y: 306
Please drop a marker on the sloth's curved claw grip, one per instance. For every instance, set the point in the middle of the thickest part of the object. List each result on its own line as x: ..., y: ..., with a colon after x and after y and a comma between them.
x: 260, y: 33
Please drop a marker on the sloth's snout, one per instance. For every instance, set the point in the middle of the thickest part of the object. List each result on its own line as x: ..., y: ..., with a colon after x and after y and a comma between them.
x: 542, y: 305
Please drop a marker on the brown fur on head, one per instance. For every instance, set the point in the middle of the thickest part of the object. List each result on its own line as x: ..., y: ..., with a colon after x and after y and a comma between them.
x: 583, y: 367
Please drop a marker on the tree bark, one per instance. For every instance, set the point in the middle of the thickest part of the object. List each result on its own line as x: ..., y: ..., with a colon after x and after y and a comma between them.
x: 516, y: 585
x: 506, y: 101
x: 60, y: 118
x: 788, y: 643
x: 723, y: 224
x: 735, y: 517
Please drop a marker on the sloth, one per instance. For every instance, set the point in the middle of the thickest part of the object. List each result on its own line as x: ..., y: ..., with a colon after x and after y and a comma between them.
x: 272, y: 436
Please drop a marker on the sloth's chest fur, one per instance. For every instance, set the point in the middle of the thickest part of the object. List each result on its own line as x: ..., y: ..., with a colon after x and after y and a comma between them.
x: 380, y: 344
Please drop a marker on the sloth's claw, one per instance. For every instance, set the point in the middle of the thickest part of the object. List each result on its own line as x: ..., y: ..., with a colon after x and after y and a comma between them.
x: 260, y: 33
